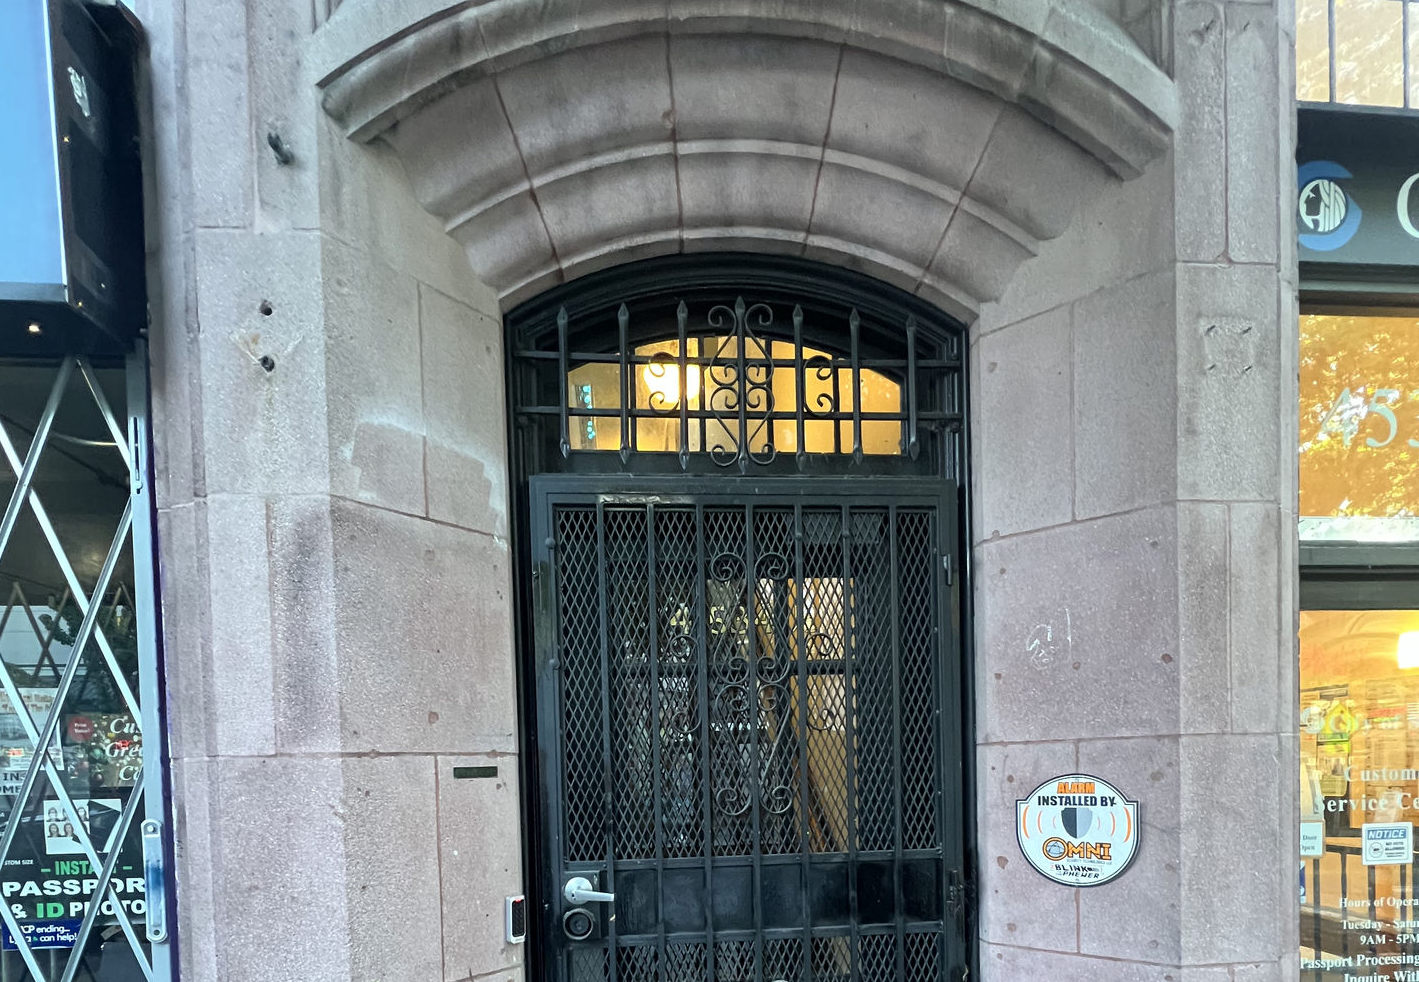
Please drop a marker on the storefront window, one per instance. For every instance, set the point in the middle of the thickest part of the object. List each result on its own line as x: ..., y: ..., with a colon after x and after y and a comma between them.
x: 1359, y: 453
x: 1359, y: 793
x: 72, y: 747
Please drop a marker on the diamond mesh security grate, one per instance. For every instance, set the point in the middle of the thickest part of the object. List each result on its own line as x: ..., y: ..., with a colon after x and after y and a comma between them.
x: 748, y: 747
x: 72, y: 760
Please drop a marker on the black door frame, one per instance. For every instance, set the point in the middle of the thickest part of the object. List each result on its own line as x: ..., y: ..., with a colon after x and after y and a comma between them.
x: 697, y: 275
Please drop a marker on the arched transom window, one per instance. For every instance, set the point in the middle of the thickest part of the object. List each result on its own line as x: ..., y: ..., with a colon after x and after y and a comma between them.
x: 744, y: 377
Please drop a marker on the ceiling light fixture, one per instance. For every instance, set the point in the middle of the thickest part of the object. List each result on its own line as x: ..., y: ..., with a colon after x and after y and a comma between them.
x: 662, y: 379
x: 1409, y: 649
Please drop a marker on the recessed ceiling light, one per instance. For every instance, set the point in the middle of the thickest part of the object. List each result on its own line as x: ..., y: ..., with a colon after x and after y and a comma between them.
x: 34, y: 328
x: 1409, y: 649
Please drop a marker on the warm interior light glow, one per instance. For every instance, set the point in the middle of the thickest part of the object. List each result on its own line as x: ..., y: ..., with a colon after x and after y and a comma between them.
x: 1409, y: 649
x: 662, y: 379
x: 34, y: 327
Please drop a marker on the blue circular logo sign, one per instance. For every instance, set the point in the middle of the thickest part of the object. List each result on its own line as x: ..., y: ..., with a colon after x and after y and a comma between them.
x: 1328, y: 217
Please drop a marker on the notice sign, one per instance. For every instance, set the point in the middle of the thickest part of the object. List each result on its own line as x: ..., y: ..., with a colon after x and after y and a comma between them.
x: 1077, y: 830
x: 42, y: 935
x: 1312, y: 838
x: 1387, y: 843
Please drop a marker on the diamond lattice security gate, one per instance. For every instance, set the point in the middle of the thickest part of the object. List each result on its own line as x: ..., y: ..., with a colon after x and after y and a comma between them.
x: 80, y: 791
x: 740, y: 704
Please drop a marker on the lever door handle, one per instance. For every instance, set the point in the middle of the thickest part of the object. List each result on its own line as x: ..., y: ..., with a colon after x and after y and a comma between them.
x: 579, y: 891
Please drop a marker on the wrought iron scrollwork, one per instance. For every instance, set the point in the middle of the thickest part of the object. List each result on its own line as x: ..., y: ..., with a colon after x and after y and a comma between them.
x: 663, y: 367
x: 740, y: 381
x: 726, y: 566
x: 773, y: 566
x: 678, y: 649
x: 736, y: 385
x: 824, y: 404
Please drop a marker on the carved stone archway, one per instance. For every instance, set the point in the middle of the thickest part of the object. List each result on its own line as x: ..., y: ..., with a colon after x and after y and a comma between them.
x: 932, y: 144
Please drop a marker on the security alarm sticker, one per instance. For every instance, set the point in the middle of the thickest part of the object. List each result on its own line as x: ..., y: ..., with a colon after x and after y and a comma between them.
x: 1077, y: 830
x: 1387, y: 843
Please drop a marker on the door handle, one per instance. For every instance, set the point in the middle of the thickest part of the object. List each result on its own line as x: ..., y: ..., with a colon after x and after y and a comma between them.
x: 579, y: 891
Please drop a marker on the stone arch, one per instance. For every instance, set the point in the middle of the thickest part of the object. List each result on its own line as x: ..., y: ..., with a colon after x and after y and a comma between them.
x: 930, y: 143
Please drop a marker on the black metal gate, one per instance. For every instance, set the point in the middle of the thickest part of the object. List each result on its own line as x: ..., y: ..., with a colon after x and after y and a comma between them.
x: 742, y: 622
x: 741, y: 703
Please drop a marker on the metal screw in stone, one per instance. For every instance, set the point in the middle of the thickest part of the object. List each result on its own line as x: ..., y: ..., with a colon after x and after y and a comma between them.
x: 284, y: 154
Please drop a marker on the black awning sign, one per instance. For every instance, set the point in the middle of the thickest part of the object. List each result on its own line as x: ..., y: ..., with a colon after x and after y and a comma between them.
x: 1356, y: 180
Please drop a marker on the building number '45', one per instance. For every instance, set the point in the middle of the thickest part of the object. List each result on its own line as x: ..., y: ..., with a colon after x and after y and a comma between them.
x: 1350, y: 409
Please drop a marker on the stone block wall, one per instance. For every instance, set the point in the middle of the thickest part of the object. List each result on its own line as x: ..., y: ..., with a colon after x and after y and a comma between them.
x: 1134, y: 436
x: 329, y: 413
x: 332, y: 484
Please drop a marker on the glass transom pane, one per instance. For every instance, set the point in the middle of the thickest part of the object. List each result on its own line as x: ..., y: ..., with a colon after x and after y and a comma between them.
x: 712, y: 394
x: 1359, y: 420
x: 1357, y: 52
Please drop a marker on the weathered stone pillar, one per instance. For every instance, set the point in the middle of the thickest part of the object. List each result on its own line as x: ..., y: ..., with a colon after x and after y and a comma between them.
x: 1135, y: 558
x: 332, y: 479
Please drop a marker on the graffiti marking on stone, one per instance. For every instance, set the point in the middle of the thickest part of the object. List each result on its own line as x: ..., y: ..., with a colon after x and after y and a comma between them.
x: 1047, y: 643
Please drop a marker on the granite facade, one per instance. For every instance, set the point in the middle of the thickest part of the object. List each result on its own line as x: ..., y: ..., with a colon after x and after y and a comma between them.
x: 1095, y: 188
